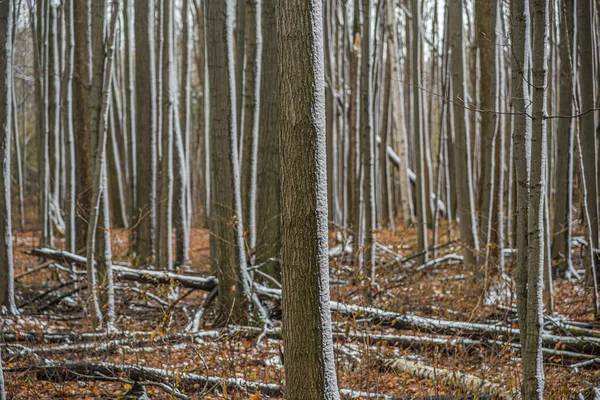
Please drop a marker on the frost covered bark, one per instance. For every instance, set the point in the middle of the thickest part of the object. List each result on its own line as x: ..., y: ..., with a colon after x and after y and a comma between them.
x: 7, y: 280
x: 309, y: 360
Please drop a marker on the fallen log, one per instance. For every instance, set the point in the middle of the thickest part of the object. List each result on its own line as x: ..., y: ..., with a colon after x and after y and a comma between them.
x: 189, y: 382
x: 463, y: 381
x: 582, y: 344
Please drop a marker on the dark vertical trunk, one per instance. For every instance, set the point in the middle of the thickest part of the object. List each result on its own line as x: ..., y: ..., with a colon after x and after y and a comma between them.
x: 268, y: 223
x: 227, y: 250
x: 309, y: 360
x: 144, y: 218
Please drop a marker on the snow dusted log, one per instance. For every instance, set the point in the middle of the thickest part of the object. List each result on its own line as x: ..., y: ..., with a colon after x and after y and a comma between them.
x: 576, y: 343
x: 588, y: 345
x: 83, y: 371
x: 465, y: 382
x: 452, y: 258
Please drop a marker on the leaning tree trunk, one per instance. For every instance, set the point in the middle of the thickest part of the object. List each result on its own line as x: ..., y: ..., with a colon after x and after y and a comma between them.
x: 561, y: 243
x: 144, y: 217
x: 309, y: 360
x: 462, y: 150
x: 268, y: 196
x: 226, y: 238
x: 588, y: 121
x: 7, y: 279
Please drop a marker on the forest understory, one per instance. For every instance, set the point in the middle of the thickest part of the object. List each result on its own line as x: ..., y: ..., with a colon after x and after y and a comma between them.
x: 50, y: 350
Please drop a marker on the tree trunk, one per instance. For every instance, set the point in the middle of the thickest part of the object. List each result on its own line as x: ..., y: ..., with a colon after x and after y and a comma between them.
x: 561, y: 243
x: 367, y: 144
x: 227, y: 250
x: 144, y: 217
x: 422, y: 240
x: 182, y: 194
x: 251, y: 116
x: 386, y: 218
x: 268, y: 213
x: 7, y: 279
x: 165, y: 201
x: 533, y: 369
x: 309, y: 360
x: 588, y: 121
x: 462, y: 151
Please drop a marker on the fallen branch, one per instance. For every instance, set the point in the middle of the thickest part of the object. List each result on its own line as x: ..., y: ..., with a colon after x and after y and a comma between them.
x: 583, y: 344
x: 466, y: 382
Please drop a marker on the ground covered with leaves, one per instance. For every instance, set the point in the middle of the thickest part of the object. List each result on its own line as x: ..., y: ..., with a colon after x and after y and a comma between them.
x: 377, y: 355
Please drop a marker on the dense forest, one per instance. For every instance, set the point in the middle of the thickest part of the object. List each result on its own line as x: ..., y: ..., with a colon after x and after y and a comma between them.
x: 309, y: 199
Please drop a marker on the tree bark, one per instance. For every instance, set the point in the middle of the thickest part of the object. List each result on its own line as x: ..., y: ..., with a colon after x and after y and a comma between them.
x: 227, y: 250
x: 7, y: 279
x: 561, y: 243
x: 268, y: 213
x: 367, y: 144
x: 251, y: 116
x: 462, y: 151
x: 144, y: 217
x: 588, y: 121
x: 309, y: 360
x: 422, y: 240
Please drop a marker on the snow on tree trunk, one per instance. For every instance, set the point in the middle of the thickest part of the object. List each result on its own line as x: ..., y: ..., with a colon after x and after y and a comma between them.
x: 251, y: 116
x: 532, y: 358
x: 422, y: 241
x: 367, y: 145
x: 7, y: 279
x: 308, y: 346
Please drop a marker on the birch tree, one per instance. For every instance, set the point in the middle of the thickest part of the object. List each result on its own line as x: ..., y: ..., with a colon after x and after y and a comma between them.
x: 7, y: 279
x: 309, y: 360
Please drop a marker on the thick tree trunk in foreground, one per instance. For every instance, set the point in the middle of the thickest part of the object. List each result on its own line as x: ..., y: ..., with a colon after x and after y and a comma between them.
x: 144, y: 217
x: 228, y: 254
x: 268, y: 196
x: 462, y: 151
x: 7, y: 279
x: 309, y: 361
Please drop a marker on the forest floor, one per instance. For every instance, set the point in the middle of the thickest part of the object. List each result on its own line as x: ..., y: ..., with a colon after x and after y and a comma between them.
x: 363, y: 362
